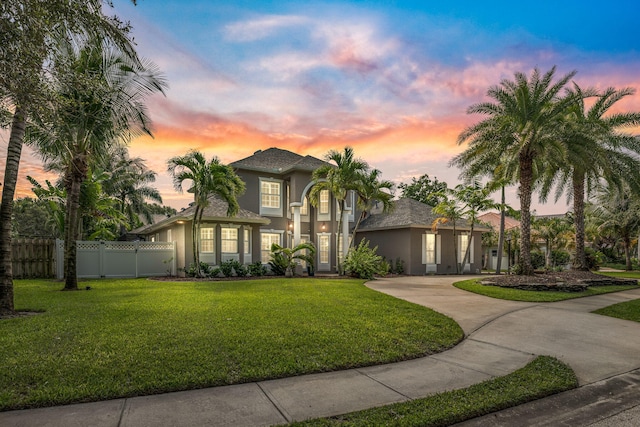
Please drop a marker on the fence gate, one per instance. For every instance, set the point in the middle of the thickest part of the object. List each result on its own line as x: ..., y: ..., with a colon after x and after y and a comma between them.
x: 33, y: 258
x: 120, y: 259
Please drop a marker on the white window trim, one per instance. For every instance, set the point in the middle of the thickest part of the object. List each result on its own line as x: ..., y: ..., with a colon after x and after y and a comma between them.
x: 268, y: 211
x: 212, y: 239
x: 222, y: 239
x: 462, y: 249
x: 323, y: 266
x: 327, y: 215
x: 262, y: 233
x: 350, y: 202
x: 247, y: 247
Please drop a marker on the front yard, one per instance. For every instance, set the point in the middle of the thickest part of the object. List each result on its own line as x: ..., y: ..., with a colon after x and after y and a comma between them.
x: 137, y: 337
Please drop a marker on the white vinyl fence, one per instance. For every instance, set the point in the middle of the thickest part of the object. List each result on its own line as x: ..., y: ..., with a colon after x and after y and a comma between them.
x: 120, y: 259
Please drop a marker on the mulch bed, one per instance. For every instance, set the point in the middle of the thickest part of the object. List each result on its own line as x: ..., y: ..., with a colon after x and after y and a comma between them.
x: 568, y: 281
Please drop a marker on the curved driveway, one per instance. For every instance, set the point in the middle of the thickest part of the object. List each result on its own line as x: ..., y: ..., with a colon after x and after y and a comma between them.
x: 596, y: 347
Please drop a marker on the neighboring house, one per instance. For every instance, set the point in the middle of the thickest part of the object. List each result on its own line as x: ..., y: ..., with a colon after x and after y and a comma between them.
x: 493, y: 220
x: 406, y: 233
x: 275, y: 208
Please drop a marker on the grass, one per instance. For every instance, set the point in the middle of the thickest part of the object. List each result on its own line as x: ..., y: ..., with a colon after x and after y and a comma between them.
x: 629, y: 310
x: 626, y: 274
x: 136, y: 337
x: 542, y: 377
x: 473, y: 285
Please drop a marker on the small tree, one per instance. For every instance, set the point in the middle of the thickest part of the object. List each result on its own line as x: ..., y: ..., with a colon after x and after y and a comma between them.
x: 286, y: 257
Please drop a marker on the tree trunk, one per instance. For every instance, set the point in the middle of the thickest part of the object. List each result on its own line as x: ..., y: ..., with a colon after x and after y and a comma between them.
x: 501, y: 235
x: 455, y: 247
x: 547, y: 255
x: 338, y: 233
x: 579, y: 262
x: 14, y: 151
x: 526, y: 181
x: 75, y: 175
x: 467, y: 252
x: 195, y: 236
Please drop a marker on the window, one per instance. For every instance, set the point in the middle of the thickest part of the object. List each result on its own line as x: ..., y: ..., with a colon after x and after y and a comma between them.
x: 207, y: 240
x: 304, y: 209
x: 430, y: 248
x: 247, y: 240
x: 270, y: 194
x: 266, y: 240
x: 463, y: 241
x: 229, y: 240
x: 323, y: 248
x: 323, y: 205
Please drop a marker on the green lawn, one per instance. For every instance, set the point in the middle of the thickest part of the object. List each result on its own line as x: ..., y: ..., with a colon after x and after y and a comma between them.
x: 474, y: 286
x: 542, y: 377
x: 629, y: 310
x: 137, y: 337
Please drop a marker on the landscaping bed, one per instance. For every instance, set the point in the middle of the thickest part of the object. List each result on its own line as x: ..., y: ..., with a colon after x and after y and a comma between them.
x: 563, y: 281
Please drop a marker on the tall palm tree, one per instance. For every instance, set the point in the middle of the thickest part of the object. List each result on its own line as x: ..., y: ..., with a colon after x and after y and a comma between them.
x: 208, y: 178
x: 103, y: 105
x: 371, y: 190
x: 339, y: 178
x: 594, y: 149
x: 28, y: 33
x: 520, y: 129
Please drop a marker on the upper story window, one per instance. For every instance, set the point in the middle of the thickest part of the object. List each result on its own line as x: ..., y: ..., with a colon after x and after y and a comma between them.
x: 304, y: 209
x: 323, y: 204
x: 270, y: 197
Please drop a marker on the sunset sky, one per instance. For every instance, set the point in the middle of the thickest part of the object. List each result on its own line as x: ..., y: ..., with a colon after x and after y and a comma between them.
x: 392, y: 79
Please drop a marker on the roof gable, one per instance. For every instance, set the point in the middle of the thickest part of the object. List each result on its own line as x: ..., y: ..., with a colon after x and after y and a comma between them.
x: 276, y: 160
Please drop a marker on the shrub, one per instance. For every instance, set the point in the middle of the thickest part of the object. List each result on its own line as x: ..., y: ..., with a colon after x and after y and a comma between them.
x: 229, y: 266
x: 278, y: 263
x: 363, y: 262
x: 399, y: 266
x: 385, y: 267
x: 593, y: 258
x: 560, y: 257
x: 537, y: 259
x: 257, y: 269
x: 205, y: 270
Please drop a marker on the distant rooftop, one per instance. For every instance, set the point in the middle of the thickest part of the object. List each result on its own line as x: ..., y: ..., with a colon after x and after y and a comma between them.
x: 278, y: 161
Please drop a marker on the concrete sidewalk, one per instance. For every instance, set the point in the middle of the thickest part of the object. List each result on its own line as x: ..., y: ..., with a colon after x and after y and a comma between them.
x: 501, y: 336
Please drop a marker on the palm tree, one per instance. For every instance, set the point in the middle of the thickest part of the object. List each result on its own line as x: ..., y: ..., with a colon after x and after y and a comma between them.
x: 520, y: 130
x: 102, y: 107
x: 29, y: 31
x: 207, y: 179
x: 555, y: 232
x: 370, y: 191
x: 303, y: 252
x: 474, y: 199
x: 128, y: 181
x: 449, y: 212
x: 618, y: 214
x: 594, y: 149
x: 339, y: 179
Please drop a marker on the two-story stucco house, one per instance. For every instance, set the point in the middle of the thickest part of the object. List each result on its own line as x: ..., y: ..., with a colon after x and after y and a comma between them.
x: 274, y: 209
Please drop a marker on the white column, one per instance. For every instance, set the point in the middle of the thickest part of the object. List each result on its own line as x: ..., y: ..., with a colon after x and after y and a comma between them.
x: 296, y: 222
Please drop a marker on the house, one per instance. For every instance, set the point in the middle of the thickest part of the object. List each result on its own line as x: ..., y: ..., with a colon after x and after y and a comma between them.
x: 275, y: 208
x: 406, y: 233
x: 492, y: 219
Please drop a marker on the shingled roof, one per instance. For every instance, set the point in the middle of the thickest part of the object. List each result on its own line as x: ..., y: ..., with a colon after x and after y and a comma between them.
x: 408, y: 213
x: 216, y: 211
x: 278, y: 161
